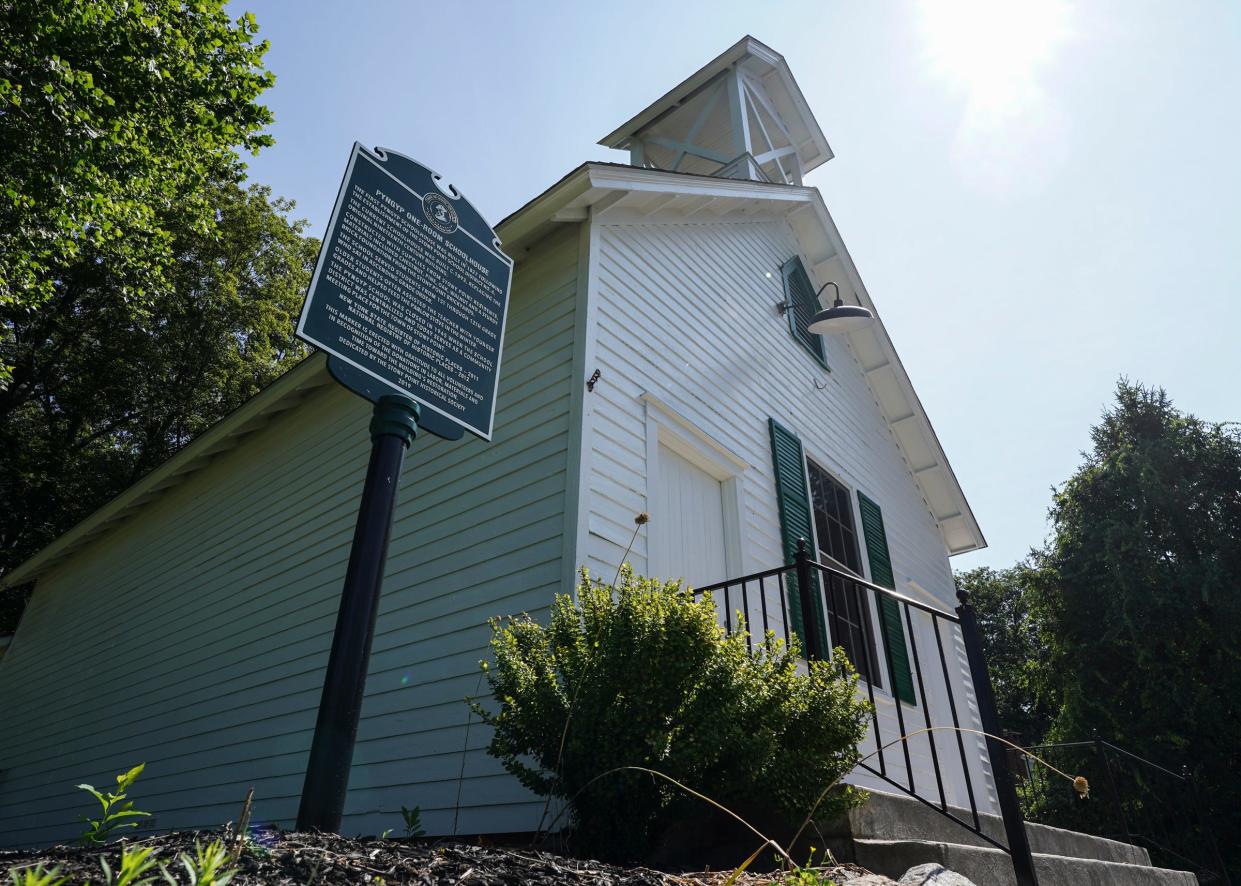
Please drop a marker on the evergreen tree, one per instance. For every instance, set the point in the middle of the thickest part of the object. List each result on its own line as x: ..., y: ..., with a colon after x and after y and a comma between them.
x: 1013, y: 643
x: 1139, y: 596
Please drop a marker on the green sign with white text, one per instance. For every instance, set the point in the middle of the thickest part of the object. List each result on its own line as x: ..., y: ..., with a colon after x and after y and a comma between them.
x: 411, y: 291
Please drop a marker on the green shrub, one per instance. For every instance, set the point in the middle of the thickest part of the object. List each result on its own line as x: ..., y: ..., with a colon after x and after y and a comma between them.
x: 646, y: 676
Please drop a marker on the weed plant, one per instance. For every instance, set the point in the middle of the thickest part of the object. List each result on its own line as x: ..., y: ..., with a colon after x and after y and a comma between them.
x: 413, y: 822
x: 137, y: 868
x: 36, y: 876
x: 141, y: 866
x: 117, y: 811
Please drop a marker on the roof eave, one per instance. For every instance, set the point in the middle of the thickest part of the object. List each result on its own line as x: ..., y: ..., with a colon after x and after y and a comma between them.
x: 284, y: 393
x: 564, y: 201
x: 958, y: 526
x: 589, y: 186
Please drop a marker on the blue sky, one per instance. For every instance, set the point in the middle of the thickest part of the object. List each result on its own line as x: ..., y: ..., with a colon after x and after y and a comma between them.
x: 1041, y: 197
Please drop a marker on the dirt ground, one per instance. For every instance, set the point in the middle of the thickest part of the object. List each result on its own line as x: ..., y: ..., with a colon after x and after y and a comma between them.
x: 327, y: 860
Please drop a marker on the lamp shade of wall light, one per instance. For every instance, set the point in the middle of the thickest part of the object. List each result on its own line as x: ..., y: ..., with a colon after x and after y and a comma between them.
x: 840, y: 317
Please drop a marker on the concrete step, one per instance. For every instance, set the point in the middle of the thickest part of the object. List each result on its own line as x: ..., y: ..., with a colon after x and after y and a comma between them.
x: 987, y: 866
x: 1074, y: 844
x: 899, y: 818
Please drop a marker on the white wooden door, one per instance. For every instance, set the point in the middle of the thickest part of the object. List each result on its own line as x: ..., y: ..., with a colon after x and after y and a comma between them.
x: 688, y: 522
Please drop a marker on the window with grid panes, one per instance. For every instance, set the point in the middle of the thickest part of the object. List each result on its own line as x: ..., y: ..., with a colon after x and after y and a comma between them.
x: 848, y: 604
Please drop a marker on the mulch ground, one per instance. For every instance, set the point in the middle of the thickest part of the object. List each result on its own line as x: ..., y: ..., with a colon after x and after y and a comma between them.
x: 329, y: 860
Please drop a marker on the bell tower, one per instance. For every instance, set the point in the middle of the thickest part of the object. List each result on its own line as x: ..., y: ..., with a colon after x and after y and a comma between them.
x: 740, y: 116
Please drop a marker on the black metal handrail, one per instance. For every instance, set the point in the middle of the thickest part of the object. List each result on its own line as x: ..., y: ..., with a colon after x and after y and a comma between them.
x: 807, y: 587
x: 1144, y: 804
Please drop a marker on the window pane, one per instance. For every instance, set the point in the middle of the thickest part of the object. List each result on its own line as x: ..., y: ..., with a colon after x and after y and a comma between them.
x: 848, y: 604
x: 821, y: 532
x: 842, y: 506
x: 851, y: 549
x: 833, y: 518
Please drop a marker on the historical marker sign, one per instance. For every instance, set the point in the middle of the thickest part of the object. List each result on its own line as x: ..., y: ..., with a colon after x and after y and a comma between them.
x: 411, y: 288
x: 409, y: 299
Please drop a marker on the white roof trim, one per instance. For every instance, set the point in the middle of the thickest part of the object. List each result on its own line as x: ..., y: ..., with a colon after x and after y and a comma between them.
x: 284, y: 393
x: 946, y: 499
x: 907, y: 420
x: 584, y: 187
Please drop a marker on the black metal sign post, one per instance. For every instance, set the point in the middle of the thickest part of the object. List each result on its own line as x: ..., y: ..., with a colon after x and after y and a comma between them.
x: 409, y: 299
x: 393, y: 427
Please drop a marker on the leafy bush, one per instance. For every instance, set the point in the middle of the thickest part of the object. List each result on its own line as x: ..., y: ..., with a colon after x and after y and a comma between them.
x: 645, y: 676
x: 115, y: 813
x: 140, y: 865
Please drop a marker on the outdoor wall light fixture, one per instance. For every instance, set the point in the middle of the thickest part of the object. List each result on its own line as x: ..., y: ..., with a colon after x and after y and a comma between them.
x: 840, y: 317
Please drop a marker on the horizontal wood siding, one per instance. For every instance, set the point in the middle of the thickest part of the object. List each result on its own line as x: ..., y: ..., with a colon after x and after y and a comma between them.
x: 194, y: 636
x: 686, y: 313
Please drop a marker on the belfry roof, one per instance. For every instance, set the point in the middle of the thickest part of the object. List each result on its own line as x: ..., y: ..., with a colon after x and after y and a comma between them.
x: 776, y: 115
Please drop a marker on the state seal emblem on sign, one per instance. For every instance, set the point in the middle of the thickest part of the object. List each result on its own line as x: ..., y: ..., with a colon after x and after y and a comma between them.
x: 439, y: 212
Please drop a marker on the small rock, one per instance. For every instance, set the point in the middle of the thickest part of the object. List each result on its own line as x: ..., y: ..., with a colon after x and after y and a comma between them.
x: 871, y: 880
x: 933, y: 875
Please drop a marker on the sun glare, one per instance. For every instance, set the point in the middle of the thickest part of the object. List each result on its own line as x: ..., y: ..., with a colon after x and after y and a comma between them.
x: 993, y: 50
x: 999, y: 55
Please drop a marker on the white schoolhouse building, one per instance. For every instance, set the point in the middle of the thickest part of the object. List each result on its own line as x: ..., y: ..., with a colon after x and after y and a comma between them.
x: 656, y: 360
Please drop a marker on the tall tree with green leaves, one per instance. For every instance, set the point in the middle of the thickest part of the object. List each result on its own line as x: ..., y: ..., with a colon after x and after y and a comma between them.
x: 111, y: 393
x: 1139, y: 595
x: 115, y: 118
x: 144, y: 293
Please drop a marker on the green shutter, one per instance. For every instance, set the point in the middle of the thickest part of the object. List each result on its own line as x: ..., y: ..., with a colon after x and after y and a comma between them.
x: 803, y: 305
x: 881, y: 574
x: 796, y: 521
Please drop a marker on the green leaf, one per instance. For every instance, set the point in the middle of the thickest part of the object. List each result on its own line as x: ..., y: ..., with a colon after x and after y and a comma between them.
x: 129, y: 777
x: 160, y: 157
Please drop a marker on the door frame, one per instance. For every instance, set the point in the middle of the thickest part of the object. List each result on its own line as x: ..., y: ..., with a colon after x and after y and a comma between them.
x: 666, y: 426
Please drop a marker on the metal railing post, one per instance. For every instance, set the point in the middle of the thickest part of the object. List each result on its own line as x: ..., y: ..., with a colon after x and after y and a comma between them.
x: 1101, y: 750
x: 1205, y: 823
x: 809, y: 627
x: 1014, y: 823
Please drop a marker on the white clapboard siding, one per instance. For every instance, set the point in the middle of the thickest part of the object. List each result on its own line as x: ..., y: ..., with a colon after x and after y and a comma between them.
x: 686, y: 314
x: 193, y: 637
